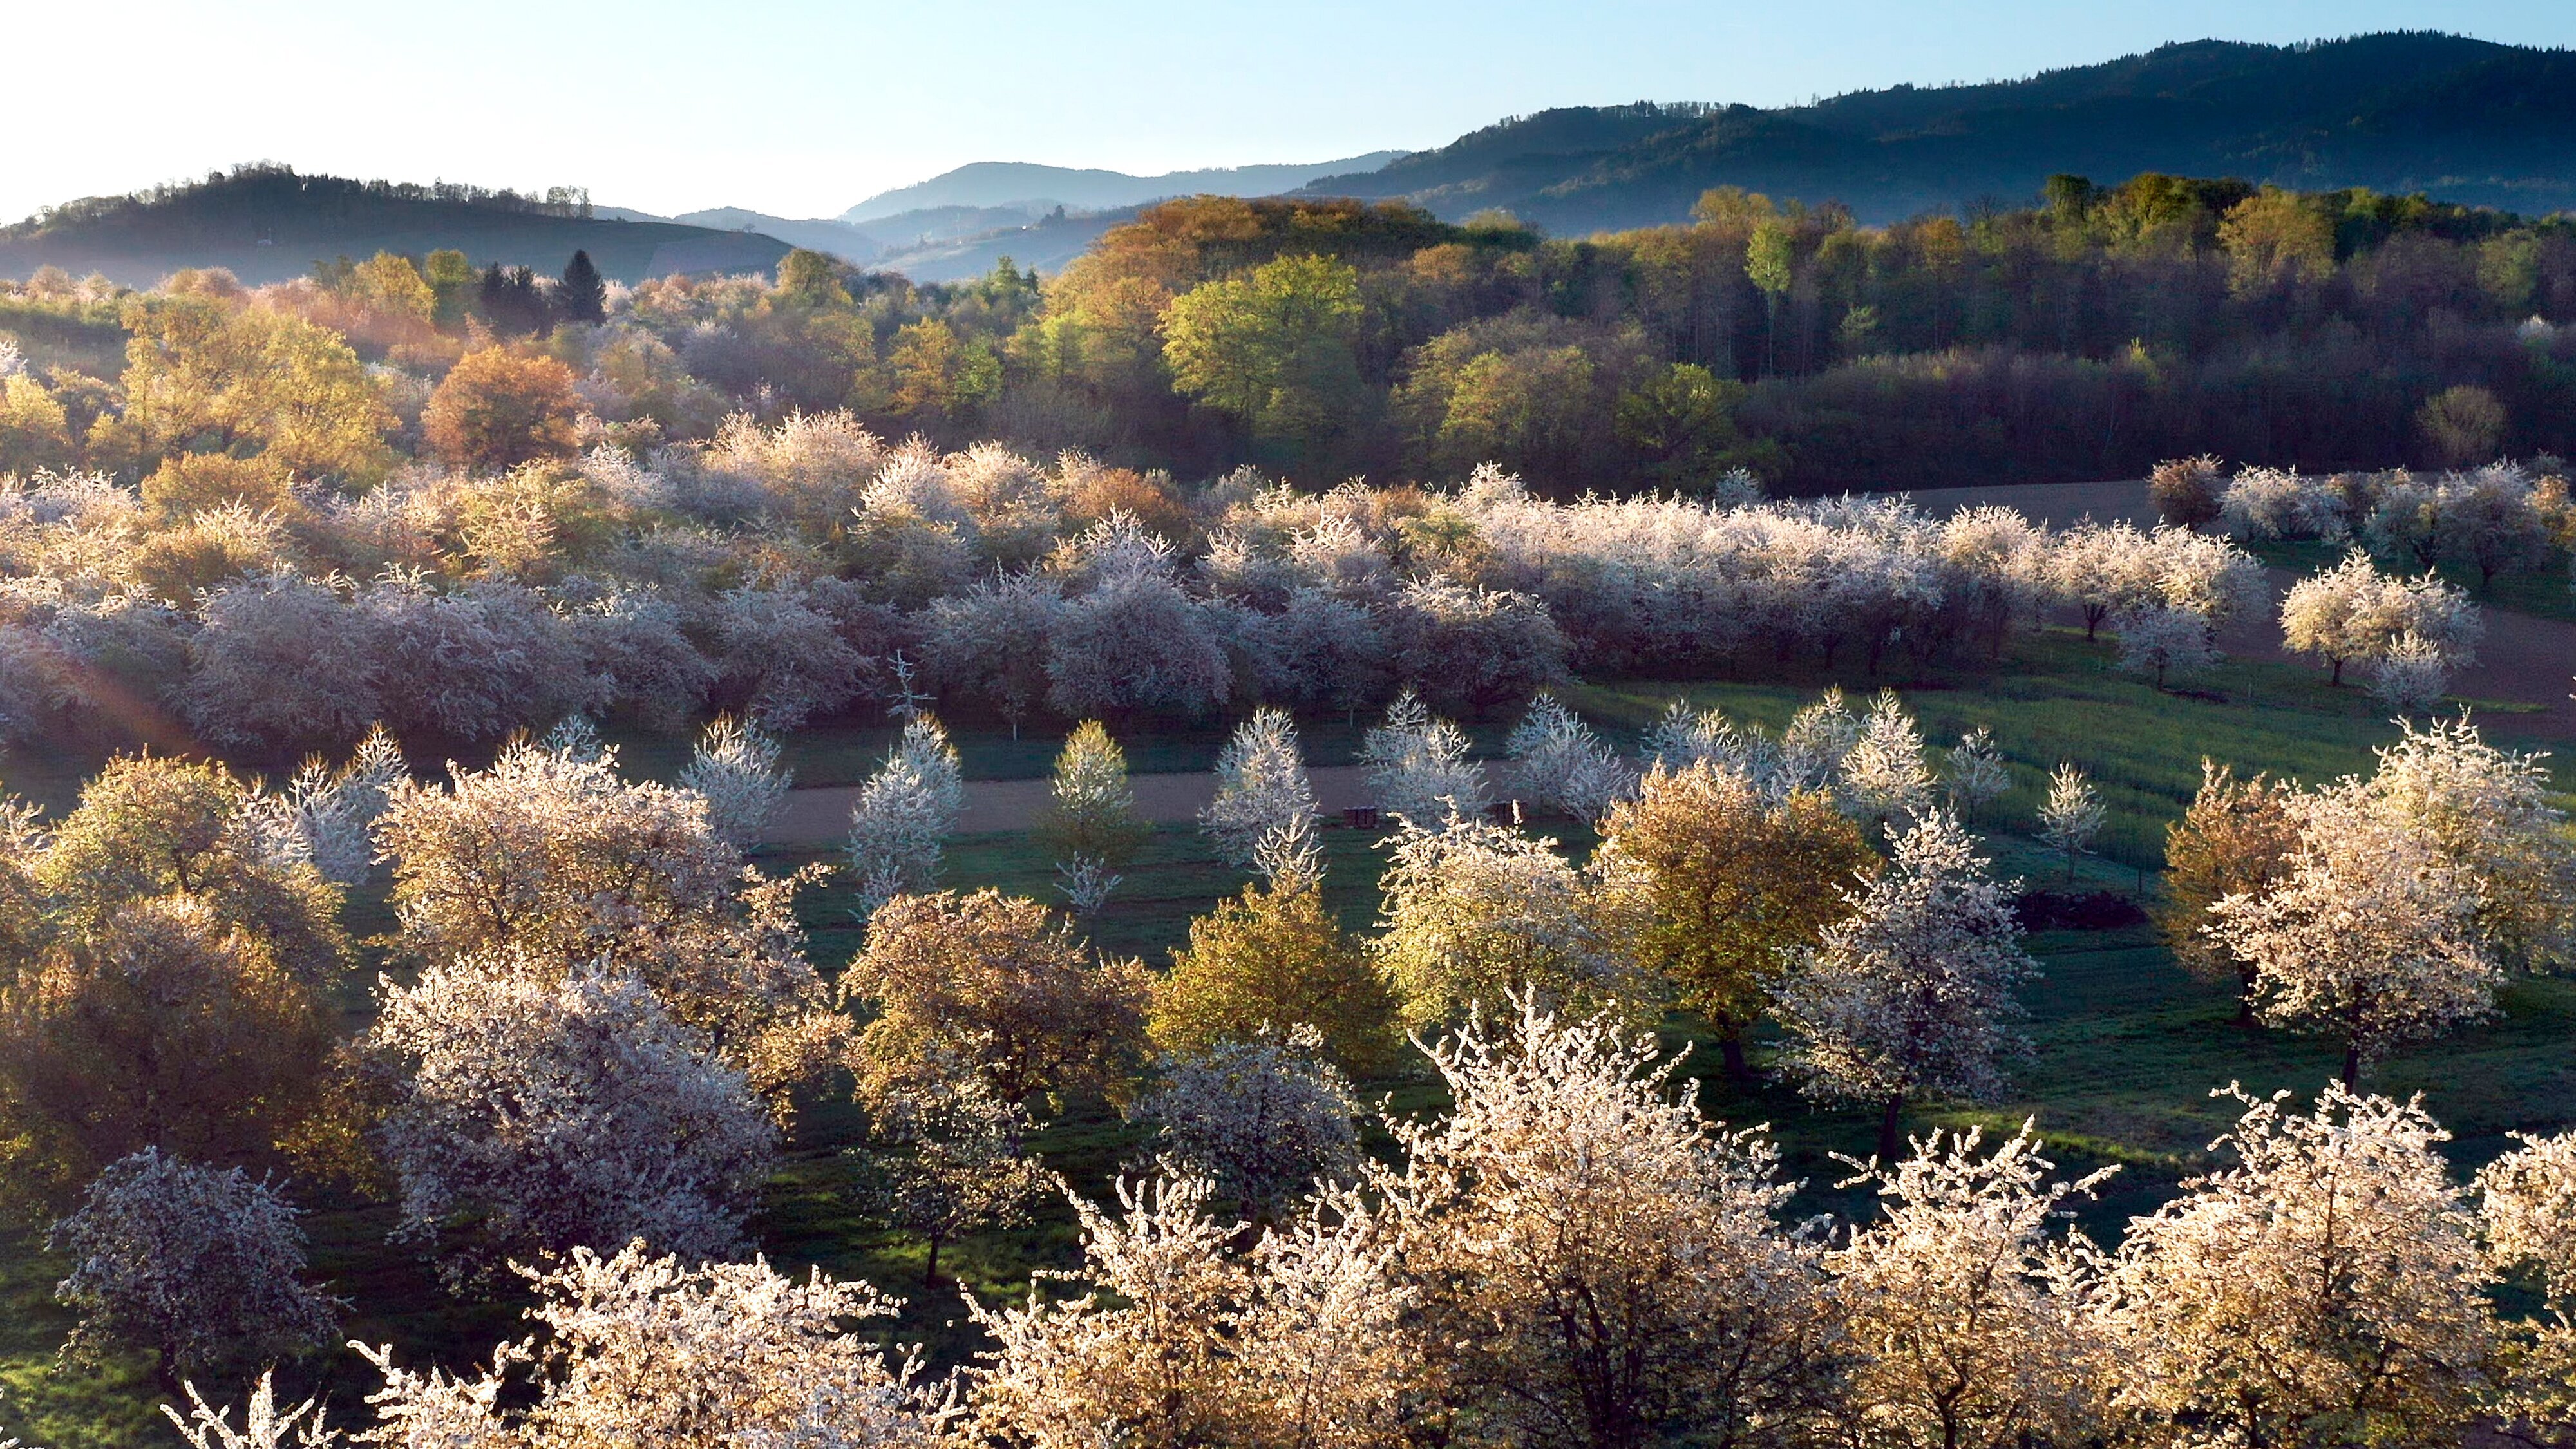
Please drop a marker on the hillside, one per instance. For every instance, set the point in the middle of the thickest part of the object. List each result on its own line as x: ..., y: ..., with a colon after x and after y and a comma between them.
x: 1036, y: 189
x: 268, y: 223
x: 2460, y: 119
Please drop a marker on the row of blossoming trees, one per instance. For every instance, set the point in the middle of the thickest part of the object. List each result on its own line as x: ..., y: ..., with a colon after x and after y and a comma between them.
x: 804, y: 568
x: 604, y: 1017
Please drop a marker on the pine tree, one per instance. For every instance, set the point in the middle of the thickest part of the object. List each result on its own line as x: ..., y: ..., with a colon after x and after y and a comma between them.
x: 585, y: 293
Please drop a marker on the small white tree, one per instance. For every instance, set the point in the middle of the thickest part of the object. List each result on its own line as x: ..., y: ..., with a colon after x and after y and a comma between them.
x: 2326, y: 1289
x: 2487, y: 813
x: 2411, y: 675
x: 2072, y: 816
x: 554, y: 1115
x: 639, y: 1349
x: 2165, y: 643
x: 904, y: 815
x: 201, y: 1267
x: 1914, y: 993
x: 1883, y: 780
x: 1558, y: 763
x: 735, y: 770
x: 1814, y: 744
x: 1964, y: 1313
x: 326, y: 815
x: 1262, y: 1120
x: 262, y: 1427
x: 1261, y: 787
x: 1978, y: 775
x: 1418, y: 767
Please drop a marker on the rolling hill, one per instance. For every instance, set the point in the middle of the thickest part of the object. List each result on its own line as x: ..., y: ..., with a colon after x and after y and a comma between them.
x: 2462, y: 120
x: 267, y: 224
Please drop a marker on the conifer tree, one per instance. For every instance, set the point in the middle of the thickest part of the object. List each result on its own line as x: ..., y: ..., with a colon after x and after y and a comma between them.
x: 585, y: 292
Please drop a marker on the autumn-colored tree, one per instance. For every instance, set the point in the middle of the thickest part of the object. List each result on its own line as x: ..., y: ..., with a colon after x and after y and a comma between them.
x: 1731, y: 882
x: 1275, y: 957
x: 35, y: 430
x: 936, y: 374
x: 997, y: 981
x: 392, y: 285
x: 187, y: 484
x: 1269, y: 345
x: 498, y: 409
x: 203, y: 374
x: 2236, y: 839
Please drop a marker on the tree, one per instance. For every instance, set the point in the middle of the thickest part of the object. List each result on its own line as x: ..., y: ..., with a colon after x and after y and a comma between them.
x: 994, y: 980
x: 1418, y: 768
x: 1730, y: 881
x: 639, y: 1348
x: 2185, y: 491
x: 2071, y: 816
x: 535, y: 1116
x: 1295, y: 1345
x: 903, y: 814
x: 1276, y: 957
x: 1770, y: 255
x: 2165, y: 643
x: 1964, y: 1316
x: 735, y: 770
x: 1558, y: 763
x: 2487, y: 814
x: 2237, y: 838
x: 204, y: 375
x: 2527, y: 1206
x: 584, y: 294
x: 2276, y: 238
x: 1263, y: 1120
x: 1978, y: 775
x: 1596, y: 1262
x: 2353, y: 611
x: 1089, y: 824
x: 2327, y: 1288
x: 35, y: 430
x: 451, y: 280
x: 1913, y: 992
x: 1475, y: 913
x: 1882, y: 778
x: 2370, y: 938
x: 939, y: 375
x: 1681, y: 421
x: 945, y: 1156
x: 1269, y: 345
x: 204, y: 1268
x: 496, y: 410
x: 549, y: 862
x: 1261, y: 787
x: 2461, y: 425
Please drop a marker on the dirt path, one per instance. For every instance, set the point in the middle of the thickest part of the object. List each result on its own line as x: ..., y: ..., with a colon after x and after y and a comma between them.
x: 822, y: 816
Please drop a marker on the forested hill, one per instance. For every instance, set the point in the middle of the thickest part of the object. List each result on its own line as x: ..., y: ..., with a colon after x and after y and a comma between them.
x: 2461, y: 120
x: 267, y: 224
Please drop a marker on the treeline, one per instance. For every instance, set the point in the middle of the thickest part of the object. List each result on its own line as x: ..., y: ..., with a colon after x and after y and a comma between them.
x: 2086, y: 337
x: 250, y: 194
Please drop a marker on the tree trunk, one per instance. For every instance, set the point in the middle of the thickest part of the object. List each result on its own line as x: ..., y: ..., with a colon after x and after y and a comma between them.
x: 930, y: 1269
x: 2337, y: 677
x: 1731, y: 1050
x: 1890, y: 1141
x: 2352, y: 1064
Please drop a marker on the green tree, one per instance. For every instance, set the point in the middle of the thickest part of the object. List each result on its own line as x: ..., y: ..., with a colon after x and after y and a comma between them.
x: 1681, y: 424
x: 584, y: 297
x: 451, y: 281
x: 1770, y: 257
x: 1275, y: 959
x: 1272, y: 347
x: 937, y: 374
x: 811, y: 279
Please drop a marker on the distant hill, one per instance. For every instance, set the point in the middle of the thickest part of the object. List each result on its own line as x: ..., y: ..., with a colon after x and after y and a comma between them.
x: 1038, y: 189
x: 267, y: 224
x: 2462, y: 120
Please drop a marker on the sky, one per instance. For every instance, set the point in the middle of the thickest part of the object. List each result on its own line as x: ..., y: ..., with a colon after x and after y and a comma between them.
x: 806, y: 107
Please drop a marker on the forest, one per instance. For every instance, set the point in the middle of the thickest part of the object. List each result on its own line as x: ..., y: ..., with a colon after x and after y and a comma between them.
x: 1671, y: 952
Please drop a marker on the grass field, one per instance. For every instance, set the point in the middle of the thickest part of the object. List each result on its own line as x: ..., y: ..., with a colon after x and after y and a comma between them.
x: 2127, y: 1047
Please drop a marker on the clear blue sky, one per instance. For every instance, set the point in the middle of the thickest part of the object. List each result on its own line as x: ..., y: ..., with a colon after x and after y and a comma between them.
x: 803, y: 107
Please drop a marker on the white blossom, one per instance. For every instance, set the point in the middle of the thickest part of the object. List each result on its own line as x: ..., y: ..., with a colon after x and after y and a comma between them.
x: 903, y: 816
x: 1261, y: 787
x: 735, y: 770
x: 1558, y: 763
x: 1418, y: 768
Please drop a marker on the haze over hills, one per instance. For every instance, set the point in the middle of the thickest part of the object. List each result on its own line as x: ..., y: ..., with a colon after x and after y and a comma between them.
x: 267, y: 224
x: 1038, y: 189
x: 2462, y: 120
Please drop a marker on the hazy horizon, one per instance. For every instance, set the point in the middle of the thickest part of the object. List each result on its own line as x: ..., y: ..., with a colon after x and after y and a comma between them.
x: 796, y: 121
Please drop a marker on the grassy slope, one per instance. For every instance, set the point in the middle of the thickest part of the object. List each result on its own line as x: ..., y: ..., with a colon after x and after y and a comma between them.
x: 2127, y: 1045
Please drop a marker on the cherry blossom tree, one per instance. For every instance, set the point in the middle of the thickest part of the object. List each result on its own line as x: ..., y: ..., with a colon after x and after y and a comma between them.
x: 2527, y: 1204
x: 1977, y: 774
x: 2327, y: 1287
x: 1963, y: 1314
x: 1263, y: 1120
x: 735, y: 770
x: 1558, y: 763
x: 202, y: 1267
x: 2354, y: 612
x: 1883, y: 780
x: 903, y: 816
x: 638, y: 1348
x: 1474, y: 913
x: 1913, y: 993
x: 1261, y: 787
x: 2072, y: 816
x: 1418, y: 768
x: 531, y: 1116
x: 946, y: 1156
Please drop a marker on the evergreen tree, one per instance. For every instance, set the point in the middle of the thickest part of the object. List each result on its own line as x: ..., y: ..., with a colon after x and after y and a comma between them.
x: 585, y: 292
